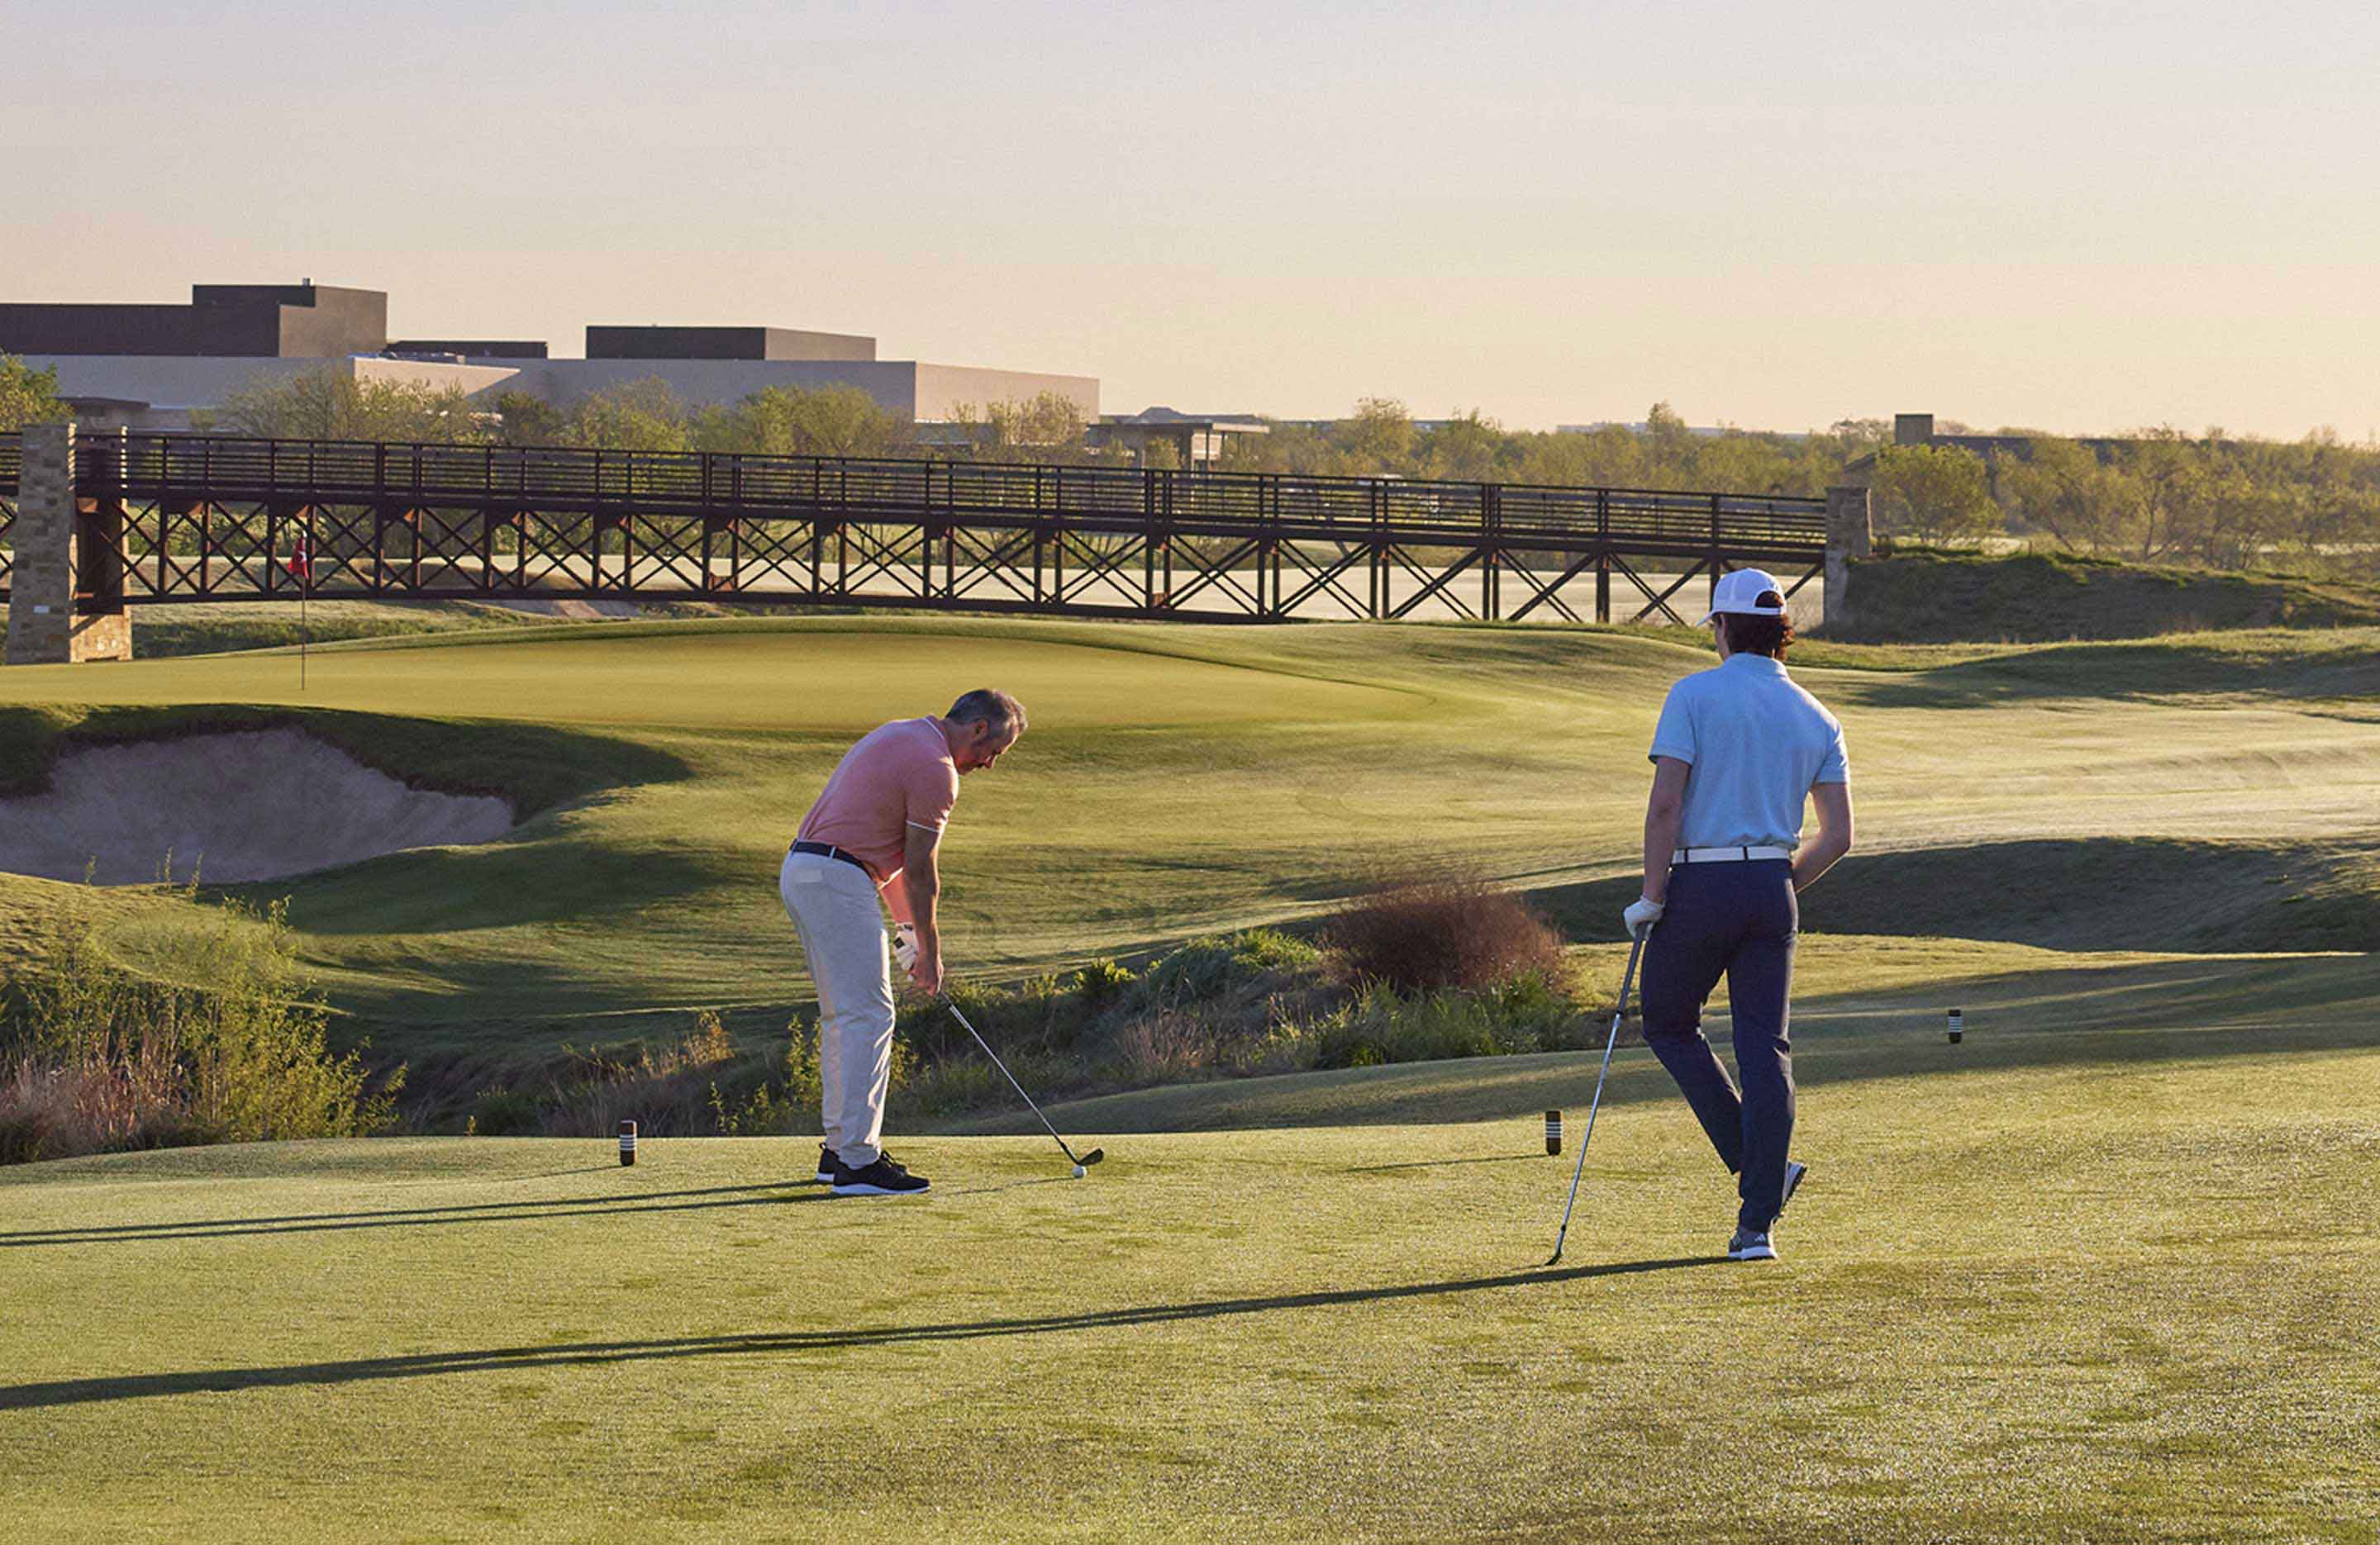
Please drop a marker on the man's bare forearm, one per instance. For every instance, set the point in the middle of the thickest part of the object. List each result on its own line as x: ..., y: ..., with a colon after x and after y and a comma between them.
x: 1834, y: 839
x: 1816, y: 858
x: 924, y: 890
x: 1662, y: 823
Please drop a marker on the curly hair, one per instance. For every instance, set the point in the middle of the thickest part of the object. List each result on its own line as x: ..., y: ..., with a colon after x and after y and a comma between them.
x: 1759, y: 635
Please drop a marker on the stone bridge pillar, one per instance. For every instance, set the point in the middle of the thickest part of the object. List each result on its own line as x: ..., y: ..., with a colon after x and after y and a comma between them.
x: 65, y: 602
x: 1849, y: 534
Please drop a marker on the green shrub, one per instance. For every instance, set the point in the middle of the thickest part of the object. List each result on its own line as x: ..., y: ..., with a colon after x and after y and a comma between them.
x: 501, y: 1112
x: 1222, y: 963
x: 1102, y: 981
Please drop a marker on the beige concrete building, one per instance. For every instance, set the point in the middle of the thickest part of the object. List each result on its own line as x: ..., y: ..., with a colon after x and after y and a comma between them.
x: 154, y: 367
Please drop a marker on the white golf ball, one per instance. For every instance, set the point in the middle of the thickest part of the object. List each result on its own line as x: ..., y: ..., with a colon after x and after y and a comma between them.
x: 1080, y: 1172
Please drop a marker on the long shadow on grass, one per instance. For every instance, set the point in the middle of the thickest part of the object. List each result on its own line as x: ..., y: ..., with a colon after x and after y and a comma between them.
x: 139, y: 1386
x: 416, y: 1217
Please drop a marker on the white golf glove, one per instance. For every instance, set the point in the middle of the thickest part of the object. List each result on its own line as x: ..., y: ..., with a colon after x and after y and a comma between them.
x: 1641, y: 914
x: 904, y: 945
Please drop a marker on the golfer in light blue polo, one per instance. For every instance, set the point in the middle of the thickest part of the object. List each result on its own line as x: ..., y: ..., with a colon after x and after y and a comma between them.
x: 1737, y: 752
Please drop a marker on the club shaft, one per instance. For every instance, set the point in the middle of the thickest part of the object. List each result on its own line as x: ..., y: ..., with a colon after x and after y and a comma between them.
x: 1618, y: 1014
x: 1004, y: 1073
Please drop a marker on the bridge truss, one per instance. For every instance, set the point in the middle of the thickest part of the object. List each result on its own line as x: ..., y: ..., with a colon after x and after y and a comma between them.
x: 198, y: 518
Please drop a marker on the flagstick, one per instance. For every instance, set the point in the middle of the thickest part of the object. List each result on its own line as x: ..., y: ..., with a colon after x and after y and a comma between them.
x: 304, y: 594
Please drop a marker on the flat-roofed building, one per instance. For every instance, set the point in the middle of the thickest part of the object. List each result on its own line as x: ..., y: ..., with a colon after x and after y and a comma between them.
x: 305, y: 321
x: 154, y: 367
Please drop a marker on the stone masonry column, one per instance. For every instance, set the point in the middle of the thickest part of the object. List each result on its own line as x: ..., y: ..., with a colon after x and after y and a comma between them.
x: 1849, y: 534
x: 43, y: 626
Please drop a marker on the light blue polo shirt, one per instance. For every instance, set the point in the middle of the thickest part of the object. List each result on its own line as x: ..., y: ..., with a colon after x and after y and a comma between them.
x: 1756, y: 743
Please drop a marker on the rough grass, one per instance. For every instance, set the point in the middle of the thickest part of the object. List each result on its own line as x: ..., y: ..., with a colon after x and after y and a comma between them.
x: 163, y: 632
x: 232, y: 1048
x: 1921, y: 597
x: 2107, y: 1297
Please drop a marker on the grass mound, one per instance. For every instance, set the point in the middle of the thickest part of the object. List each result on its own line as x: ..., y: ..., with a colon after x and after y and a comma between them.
x: 1928, y: 596
x: 533, y: 767
x: 165, y: 631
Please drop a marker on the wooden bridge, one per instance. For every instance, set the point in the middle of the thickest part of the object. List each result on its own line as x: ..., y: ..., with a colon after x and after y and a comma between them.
x: 197, y: 518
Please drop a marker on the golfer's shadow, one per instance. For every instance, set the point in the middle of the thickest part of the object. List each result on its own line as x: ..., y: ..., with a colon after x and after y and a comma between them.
x: 136, y: 1386
x: 769, y: 1193
x: 1440, y: 1164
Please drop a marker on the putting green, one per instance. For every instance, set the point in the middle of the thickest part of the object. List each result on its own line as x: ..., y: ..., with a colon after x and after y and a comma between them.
x: 800, y: 677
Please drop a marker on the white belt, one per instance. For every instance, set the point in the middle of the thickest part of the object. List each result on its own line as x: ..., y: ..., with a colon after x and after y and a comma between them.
x: 1726, y: 855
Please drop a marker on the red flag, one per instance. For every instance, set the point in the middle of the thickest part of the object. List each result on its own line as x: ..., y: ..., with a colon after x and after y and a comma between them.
x: 301, y: 562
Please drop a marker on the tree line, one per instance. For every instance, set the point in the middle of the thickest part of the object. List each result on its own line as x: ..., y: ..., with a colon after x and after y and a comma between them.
x: 2219, y: 501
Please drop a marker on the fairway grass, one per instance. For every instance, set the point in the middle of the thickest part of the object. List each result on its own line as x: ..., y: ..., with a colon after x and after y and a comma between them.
x: 2035, y: 1300
x: 2104, y: 1271
x: 1183, y: 779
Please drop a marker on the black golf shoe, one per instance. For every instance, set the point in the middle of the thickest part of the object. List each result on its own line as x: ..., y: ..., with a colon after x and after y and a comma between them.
x: 825, y: 1175
x: 1794, y: 1173
x: 882, y: 1179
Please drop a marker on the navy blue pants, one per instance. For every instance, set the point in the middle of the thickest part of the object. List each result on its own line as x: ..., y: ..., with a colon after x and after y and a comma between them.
x: 1740, y: 919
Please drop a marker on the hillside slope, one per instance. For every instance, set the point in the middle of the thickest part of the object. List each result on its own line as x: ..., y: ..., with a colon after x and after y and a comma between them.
x: 1921, y: 597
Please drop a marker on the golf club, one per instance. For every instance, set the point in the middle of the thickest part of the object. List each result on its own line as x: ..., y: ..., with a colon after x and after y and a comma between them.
x: 1618, y: 1014
x: 1082, y: 1161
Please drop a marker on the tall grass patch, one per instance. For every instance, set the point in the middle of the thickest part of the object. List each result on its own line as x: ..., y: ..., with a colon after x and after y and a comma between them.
x: 230, y: 1045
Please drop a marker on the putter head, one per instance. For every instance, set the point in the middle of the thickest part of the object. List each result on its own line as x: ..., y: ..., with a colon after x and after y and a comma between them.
x: 1094, y: 1156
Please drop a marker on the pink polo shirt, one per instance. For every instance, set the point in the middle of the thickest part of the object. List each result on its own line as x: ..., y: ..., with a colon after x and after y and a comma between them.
x: 899, y: 775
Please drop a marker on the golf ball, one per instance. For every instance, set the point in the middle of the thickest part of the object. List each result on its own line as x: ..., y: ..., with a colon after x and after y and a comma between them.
x: 1079, y: 1172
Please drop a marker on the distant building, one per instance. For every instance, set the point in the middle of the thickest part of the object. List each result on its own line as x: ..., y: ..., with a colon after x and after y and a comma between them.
x: 1198, y: 440
x: 1700, y: 431
x: 1917, y: 428
x: 305, y: 321
x: 152, y: 367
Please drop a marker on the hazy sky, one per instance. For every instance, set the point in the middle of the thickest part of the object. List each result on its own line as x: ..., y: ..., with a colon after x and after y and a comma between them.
x: 2081, y: 216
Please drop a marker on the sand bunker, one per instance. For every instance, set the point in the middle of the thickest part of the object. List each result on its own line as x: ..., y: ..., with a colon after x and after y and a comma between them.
x: 248, y: 805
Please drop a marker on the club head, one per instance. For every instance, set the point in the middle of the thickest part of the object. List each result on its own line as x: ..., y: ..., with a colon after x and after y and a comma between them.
x: 1094, y: 1156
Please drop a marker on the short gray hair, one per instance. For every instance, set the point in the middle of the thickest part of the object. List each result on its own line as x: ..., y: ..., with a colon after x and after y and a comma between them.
x: 1002, y: 711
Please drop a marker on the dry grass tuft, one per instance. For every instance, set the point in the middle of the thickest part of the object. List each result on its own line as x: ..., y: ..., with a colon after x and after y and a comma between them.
x: 1434, y: 932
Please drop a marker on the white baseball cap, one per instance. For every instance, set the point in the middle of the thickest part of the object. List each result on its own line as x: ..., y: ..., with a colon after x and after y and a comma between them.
x: 1740, y: 594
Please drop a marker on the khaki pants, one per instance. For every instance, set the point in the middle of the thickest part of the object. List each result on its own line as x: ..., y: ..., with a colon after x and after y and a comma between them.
x: 836, y: 911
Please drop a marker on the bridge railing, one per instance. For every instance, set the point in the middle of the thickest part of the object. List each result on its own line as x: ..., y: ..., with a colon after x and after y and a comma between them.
x: 373, y: 472
x: 203, y: 517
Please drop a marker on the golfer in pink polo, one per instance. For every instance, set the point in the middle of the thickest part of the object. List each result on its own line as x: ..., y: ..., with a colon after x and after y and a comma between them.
x: 875, y: 830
